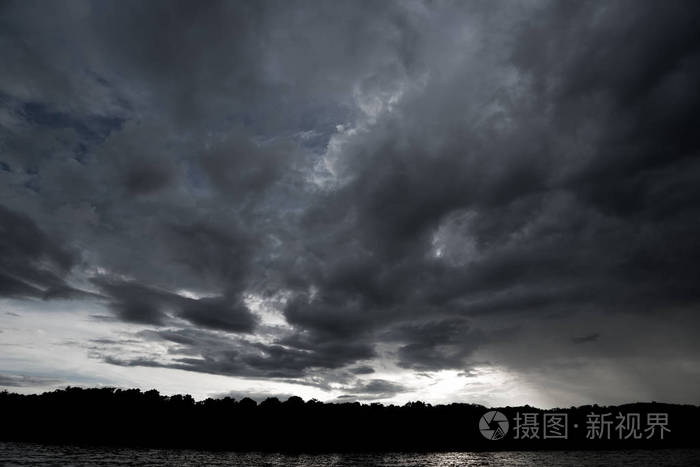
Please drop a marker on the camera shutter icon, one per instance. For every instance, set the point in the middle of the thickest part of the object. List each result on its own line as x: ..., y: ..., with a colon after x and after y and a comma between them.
x: 493, y: 425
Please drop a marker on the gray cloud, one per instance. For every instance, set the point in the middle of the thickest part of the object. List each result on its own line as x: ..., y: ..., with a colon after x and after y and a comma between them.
x: 18, y: 381
x: 373, y: 389
x: 32, y: 264
x: 362, y: 370
x: 137, y: 303
x: 443, y: 179
x: 211, y: 352
x: 587, y: 338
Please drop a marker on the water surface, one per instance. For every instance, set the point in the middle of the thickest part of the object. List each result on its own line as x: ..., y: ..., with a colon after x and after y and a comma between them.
x: 21, y: 454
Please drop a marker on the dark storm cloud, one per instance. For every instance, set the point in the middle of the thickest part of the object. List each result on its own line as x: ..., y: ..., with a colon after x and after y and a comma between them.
x: 362, y: 370
x: 134, y: 302
x: 237, y: 166
x: 31, y: 263
x: 137, y: 303
x: 435, y: 178
x: 219, y: 313
x: 219, y: 253
x: 544, y: 230
x: 207, y: 352
x: 553, y: 226
x: 436, y: 345
x: 146, y: 178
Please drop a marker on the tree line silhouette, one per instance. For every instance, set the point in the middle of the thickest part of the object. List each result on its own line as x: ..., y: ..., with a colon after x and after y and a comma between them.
x: 130, y: 417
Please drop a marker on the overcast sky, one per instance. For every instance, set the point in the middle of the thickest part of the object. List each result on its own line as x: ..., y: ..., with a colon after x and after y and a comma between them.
x: 480, y: 201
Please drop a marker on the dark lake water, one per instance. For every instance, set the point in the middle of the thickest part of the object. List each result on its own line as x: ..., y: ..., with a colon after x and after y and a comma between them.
x: 35, y: 454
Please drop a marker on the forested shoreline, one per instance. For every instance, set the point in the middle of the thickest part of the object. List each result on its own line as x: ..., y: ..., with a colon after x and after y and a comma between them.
x: 130, y: 417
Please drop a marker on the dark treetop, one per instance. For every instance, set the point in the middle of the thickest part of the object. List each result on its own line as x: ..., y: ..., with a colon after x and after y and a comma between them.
x: 108, y: 416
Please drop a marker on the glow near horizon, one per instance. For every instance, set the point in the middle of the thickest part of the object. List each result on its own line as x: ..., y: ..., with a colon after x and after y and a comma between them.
x: 45, y: 344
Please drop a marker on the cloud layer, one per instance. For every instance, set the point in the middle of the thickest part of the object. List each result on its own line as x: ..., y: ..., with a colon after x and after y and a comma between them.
x: 317, y: 192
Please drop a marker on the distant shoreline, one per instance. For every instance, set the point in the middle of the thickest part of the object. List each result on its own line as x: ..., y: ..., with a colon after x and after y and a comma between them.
x: 111, y: 417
